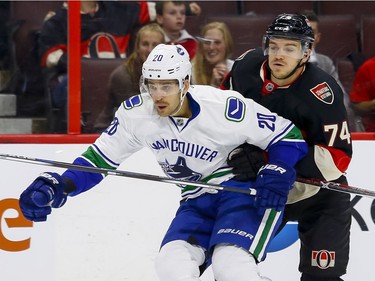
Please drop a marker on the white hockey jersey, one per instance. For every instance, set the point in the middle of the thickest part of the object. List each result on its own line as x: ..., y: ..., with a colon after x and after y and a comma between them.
x: 193, y: 148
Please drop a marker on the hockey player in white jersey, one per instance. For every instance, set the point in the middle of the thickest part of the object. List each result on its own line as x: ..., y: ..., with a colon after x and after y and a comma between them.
x: 191, y: 130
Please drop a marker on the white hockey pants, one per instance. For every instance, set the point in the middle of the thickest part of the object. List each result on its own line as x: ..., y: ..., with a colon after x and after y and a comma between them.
x: 180, y: 261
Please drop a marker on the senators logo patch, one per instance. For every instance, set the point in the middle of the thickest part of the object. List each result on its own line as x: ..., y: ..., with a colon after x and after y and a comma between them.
x: 323, y: 259
x: 323, y: 92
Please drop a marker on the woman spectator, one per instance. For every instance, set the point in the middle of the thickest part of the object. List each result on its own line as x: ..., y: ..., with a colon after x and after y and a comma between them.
x: 212, y: 60
x: 124, y: 80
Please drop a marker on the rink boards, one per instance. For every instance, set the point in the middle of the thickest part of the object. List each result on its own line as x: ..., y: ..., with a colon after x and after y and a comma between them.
x: 113, y: 231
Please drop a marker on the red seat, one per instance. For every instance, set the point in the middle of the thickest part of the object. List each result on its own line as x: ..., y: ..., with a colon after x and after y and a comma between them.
x: 25, y: 21
x: 95, y: 76
x: 247, y: 31
x: 218, y: 7
x: 31, y: 14
x: 194, y: 24
x: 346, y: 73
x: 339, y: 36
x: 367, y: 32
x: 354, y: 8
x: 276, y: 7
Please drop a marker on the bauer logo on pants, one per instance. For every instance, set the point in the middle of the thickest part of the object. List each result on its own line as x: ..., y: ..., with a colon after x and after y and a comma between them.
x: 323, y: 259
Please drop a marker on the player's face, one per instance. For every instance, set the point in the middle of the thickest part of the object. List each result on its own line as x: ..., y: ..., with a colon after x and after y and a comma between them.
x: 165, y: 94
x: 173, y: 18
x: 148, y: 41
x: 283, y: 57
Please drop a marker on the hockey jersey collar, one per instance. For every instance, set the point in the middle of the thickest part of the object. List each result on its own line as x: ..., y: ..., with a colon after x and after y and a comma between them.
x: 195, y: 109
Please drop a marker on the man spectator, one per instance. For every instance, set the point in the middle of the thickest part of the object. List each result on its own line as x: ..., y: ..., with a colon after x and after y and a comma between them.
x: 106, y: 31
x: 106, y: 28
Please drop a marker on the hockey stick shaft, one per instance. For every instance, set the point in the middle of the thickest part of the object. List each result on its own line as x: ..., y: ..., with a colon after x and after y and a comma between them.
x: 109, y: 172
x: 322, y: 184
x: 339, y: 187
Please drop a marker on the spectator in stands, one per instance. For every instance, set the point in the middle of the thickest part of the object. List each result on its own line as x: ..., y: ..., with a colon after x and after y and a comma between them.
x: 211, y: 62
x: 326, y: 63
x: 362, y: 94
x: 171, y: 16
x: 106, y: 29
x: 124, y: 80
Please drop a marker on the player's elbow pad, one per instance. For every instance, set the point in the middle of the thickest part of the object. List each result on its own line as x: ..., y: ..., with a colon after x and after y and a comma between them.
x: 288, y: 152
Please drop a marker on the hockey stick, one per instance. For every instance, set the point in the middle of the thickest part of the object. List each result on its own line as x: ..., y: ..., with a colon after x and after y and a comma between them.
x: 339, y: 187
x: 322, y: 184
x: 109, y: 172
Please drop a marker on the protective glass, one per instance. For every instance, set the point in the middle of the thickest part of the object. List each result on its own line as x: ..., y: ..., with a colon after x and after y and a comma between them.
x: 272, y: 48
x: 208, y: 41
x: 159, y: 87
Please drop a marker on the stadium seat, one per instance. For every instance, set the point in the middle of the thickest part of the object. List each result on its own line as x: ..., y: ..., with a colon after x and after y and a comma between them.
x: 219, y: 7
x: 94, y: 88
x: 194, y: 24
x: 31, y: 15
x: 276, y: 7
x: 339, y: 36
x: 354, y: 8
x: 247, y: 31
x: 367, y: 32
x: 346, y: 73
x: 25, y: 21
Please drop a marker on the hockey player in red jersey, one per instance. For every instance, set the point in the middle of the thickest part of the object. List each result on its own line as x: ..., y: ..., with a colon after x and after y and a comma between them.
x: 280, y: 78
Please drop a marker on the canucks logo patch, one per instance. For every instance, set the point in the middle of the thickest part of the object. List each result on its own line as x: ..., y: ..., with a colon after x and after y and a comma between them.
x: 323, y: 93
x: 133, y: 102
x: 180, y: 170
x: 235, y: 109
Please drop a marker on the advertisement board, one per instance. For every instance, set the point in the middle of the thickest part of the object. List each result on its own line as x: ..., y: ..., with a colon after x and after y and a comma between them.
x: 113, y: 231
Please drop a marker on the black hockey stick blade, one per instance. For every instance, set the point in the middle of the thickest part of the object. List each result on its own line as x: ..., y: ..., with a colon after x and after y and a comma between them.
x: 109, y: 172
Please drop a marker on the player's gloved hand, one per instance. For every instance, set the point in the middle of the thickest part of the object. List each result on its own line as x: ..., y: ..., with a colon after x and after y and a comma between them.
x: 246, y: 161
x: 45, y: 192
x: 272, y: 184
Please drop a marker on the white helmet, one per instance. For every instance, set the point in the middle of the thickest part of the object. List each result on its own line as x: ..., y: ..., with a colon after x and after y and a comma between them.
x: 166, y: 62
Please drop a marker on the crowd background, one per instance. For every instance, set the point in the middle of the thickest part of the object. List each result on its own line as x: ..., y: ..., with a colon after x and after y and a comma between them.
x: 25, y: 102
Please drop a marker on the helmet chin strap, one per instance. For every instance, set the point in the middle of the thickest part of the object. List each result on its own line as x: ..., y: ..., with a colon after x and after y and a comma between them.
x: 178, y: 108
x: 295, y: 69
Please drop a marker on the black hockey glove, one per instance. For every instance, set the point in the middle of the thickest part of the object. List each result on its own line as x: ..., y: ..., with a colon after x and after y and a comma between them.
x: 246, y: 161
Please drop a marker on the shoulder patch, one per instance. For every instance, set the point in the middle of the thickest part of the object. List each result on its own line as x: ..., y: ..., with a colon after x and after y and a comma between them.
x: 235, y: 109
x: 133, y: 102
x: 323, y: 92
